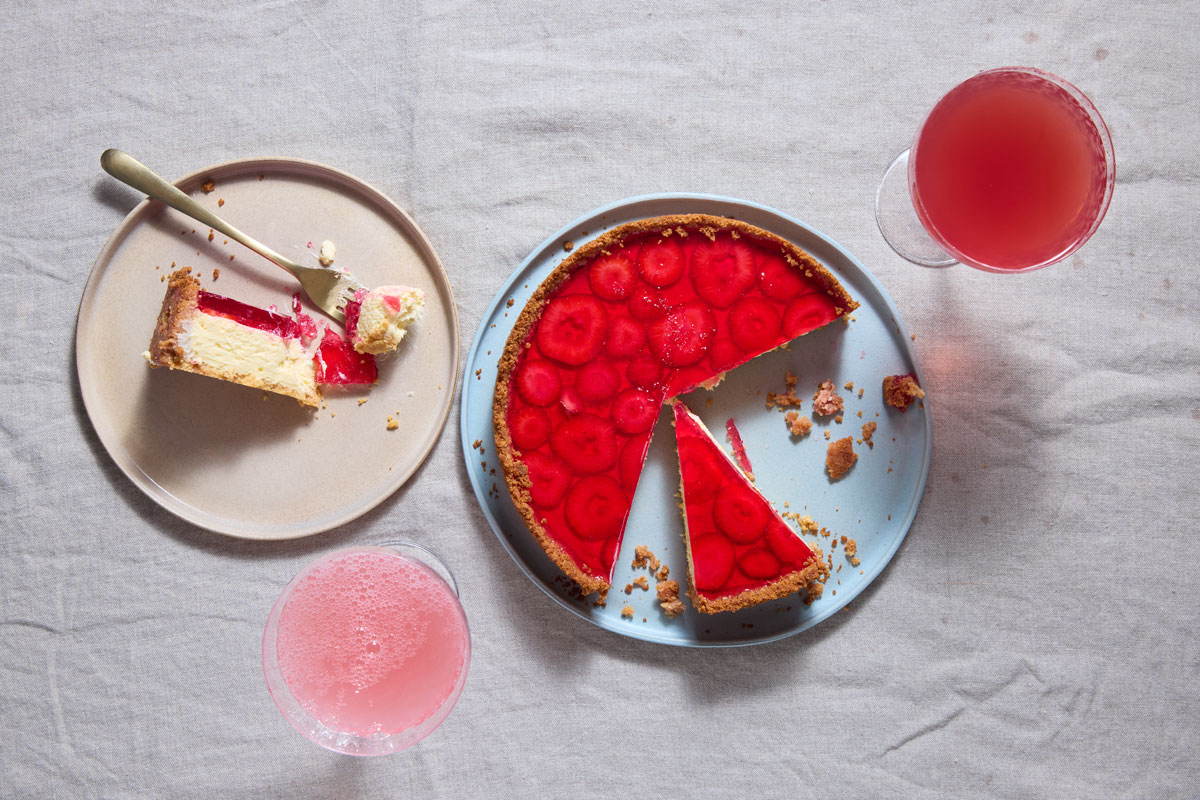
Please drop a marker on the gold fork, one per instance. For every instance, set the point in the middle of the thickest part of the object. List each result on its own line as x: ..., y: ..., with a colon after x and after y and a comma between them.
x: 328, y: 289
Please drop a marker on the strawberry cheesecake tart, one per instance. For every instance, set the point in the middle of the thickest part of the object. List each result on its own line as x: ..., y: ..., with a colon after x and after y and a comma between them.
x: 645, y: 312
x: 740, y: 551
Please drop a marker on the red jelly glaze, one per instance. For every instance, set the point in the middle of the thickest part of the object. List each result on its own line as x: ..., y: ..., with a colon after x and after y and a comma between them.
x: 641, y: 316
x: 739, y: 447
x: 737, y: 540
x: 250, y: 316
x: 339, y: 363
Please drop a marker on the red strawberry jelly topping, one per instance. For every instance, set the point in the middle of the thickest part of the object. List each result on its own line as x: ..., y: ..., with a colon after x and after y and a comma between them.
x: 650, y: 317
x: 250, y: 316
x: 739, y: 448
x: 737, y: 540
x: 339, y: 363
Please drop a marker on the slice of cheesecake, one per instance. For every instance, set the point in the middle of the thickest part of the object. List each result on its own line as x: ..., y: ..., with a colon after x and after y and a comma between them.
x: 740, y: 551
x: 205, y: 333
x: 378, y: 319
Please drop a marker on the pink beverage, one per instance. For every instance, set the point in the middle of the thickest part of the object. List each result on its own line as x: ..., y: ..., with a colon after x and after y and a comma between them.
x: 1012, y: 170
x: 366, y: 650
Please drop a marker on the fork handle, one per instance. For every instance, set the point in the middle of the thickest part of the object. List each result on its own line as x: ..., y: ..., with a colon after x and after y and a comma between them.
x: 129, y: 170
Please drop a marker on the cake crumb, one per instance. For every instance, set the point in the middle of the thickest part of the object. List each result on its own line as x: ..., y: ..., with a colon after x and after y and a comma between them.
x: 840, y: 457
x: 327, y: 253
x: 668, y: 598
x: 210, y: 234
x: 662, y: 574
x: 479, y: 373
x: 807, y: 524
x: 208, y: 186
x: 475, y: 445
x: 900, y: 390
x: 362, y: 400
x: 860, y: 393
x: 627, y: 612
x: 392, y: 424
x: 643, y: 556
x: 850, y: 547
x: 510, y: 302
x: 868, y: 431
x: 568, y: 245
x: 827, y: 402
x: 827, y: 436
x: 838, y: 419
x: 629, y: 588
x: 848, y: 386
x: 220, y: 202
x: 796, y: 424
x: 642, y: 583
x: 788, y: 399
x: 216, y: 273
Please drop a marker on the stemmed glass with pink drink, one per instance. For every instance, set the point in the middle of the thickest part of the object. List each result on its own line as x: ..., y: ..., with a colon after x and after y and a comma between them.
x: 1012, y: 170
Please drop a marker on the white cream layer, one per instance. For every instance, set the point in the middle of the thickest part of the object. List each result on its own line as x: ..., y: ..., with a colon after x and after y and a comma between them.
x: 247, y: 354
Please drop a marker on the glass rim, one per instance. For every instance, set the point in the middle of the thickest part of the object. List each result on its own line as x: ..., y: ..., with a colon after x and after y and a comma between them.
x: 305, y: 721
x: 1106, y: 146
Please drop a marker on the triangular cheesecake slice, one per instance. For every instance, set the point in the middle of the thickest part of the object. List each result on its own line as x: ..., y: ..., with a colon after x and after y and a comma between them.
x: 740, y: 551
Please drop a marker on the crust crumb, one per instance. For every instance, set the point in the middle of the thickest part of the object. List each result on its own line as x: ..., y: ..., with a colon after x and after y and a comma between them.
x: 644, y: 557
x: 568, y: 245
x: 668, y: 598
x: 216, y: 273
x: 220, y: 202
x: 827, y: 402
x: 840, y: 457
x: 900, y: 390
x: 788, y: 399
x: 362, y: 400
x: 510, y: 302
x: 663, y: 573
x: 868, y: 431
x: 208, y: 186
x: 796, y: 424
x: 392, y: 424
x: 627, y: 612
x: 642, y: 583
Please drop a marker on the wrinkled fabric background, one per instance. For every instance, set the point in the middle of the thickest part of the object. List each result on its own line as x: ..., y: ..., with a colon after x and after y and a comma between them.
x: 1035, y: 636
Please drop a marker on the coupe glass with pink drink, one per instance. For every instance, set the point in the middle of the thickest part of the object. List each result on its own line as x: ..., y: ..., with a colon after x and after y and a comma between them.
x: 366, y: 650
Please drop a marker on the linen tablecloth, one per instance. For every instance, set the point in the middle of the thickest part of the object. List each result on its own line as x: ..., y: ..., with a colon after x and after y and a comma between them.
x: 1036, y: 634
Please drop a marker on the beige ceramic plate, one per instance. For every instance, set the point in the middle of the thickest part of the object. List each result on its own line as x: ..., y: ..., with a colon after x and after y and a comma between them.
x: 230, y: 458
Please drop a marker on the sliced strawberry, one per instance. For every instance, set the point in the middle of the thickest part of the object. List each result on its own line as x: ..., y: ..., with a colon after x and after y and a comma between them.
x: 740, y: 513
x: 596, y: 507
x: 529, y: 428
x: 572, y: 329
x: 683, y: 337
x: 646, y: 304
x: 726, y: 354
x: 806, y: 313
x: 712, y: 561
x: 633, y: 455
x: 754, y: 324
x: 722, y: 270
x: 538, y: 383
x: 548, y: 479
x: 635, y: 411
x: 612, y: 277
x: 597, y: 381
x: 571, y: 400
x: 780, y: 280
x: 787, y: 545
x: 759, y: 562
x: 339, y: 363
x: 587, y: 443
x: 661, y: 261
x: 626, y: 337
x: 645, y: 373
x: 701, y: 476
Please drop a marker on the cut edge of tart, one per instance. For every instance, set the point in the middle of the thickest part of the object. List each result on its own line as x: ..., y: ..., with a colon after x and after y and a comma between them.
x: 811, y: 568
x: 270, y: 357
x: 677, y: 333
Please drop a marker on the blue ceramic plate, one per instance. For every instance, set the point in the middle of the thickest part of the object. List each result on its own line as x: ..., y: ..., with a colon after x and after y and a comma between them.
x: 874, y: 504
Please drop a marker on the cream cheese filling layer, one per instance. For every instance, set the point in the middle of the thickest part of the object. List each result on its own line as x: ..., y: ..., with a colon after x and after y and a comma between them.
x: 246, y: 353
